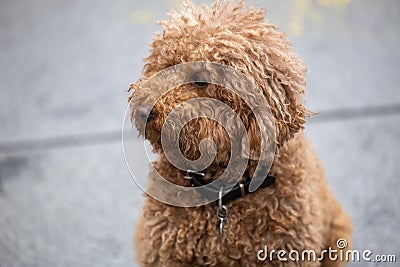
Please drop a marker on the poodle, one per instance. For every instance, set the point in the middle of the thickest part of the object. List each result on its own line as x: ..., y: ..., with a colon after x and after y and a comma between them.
x: 293, y: 210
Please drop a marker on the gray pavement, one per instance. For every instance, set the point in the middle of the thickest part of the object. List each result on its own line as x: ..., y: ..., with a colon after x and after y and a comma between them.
x: 66, y: 198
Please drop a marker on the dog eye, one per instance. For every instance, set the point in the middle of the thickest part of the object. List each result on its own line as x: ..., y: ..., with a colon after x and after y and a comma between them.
x: 200, y: 84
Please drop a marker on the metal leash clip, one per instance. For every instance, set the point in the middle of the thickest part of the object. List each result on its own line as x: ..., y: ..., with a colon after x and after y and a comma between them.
x: 222, y: 212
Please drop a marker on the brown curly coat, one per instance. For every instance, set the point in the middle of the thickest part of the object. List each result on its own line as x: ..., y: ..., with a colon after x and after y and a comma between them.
x: 299, y: 211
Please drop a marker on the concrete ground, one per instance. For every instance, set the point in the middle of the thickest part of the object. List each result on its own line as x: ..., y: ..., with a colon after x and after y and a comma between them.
x: 66, y: 198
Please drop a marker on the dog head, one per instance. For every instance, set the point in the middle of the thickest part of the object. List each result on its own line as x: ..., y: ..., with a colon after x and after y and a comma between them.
x: 235, y: 36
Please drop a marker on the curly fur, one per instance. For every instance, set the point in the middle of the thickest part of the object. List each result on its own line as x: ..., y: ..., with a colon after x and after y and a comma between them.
x: 299, y: 211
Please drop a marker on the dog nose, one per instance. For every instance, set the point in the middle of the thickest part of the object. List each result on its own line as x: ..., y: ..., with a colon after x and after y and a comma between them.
x: 145, y: 114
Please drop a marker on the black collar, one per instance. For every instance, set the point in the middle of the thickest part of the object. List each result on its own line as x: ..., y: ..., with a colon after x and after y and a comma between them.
x: 239, y: 190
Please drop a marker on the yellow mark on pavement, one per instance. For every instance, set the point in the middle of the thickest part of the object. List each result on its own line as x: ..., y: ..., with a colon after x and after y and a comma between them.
x: 312, y: 10
x: 142, y: 17
x: 338, y: 4
x: 174, y: 4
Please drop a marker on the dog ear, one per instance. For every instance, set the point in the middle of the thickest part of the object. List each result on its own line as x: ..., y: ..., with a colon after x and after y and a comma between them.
x: 283, y: 86
x: 289, y: 112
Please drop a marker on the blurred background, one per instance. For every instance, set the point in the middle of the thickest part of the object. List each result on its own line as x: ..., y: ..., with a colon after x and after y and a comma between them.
x: 66, y: 198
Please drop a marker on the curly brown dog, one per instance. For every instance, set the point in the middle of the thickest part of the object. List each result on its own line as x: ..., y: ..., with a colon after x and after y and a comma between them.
x: 297, y: 212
